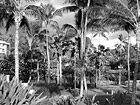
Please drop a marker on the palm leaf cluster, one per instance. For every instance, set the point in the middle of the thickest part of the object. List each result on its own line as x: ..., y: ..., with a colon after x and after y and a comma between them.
x: 120, y: 16
x: 44, y: 12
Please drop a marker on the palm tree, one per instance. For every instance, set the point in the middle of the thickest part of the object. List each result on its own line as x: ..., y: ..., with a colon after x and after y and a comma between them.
x: 33, y: 38
x: 126, y: 26
x: 62, y: 38
x: 45, y: 13
x: 16, y: 14
x: 121, y: 48
x: 122, y: 25
x: 82, y: 7
x: 101, y: 32
x: 118, y: 11
x: 85, y: 10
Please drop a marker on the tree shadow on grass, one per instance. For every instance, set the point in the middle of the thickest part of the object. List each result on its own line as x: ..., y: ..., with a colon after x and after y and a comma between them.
x: 48, y: 90
x: 117, y: 94
x: 137, y: 93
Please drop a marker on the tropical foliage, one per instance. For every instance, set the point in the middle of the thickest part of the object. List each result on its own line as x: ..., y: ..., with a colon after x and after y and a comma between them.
x: 68, y: 57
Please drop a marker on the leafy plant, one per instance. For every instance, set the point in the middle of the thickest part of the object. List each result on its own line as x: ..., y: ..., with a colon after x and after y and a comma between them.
x: 13, y: 93
x: 121, y: 98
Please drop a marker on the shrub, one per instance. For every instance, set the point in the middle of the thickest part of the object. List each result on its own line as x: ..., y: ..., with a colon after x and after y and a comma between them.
x: 13, y: 93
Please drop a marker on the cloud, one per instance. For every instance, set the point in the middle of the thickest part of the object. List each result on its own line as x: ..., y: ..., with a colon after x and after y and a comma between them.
x: 109, y: 43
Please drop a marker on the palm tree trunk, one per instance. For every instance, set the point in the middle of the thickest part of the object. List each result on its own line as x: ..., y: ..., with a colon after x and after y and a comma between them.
x: 44, y: 74
x: 83, y: 42
x: 96, y: 78
x: 60, y: 68
x: 75, y: 72
x: 48, y: 55
x: 30, y: 77
x: 120, y: 77
x: 58, y: 73
x: 85, y: 82
x: 134, y: 86
x: 82, y: 53
x: 17, y: 22
x: 99, y: 60
x: 75, y: 78
x: 38, y: 76
x: 128, y: 62
x: 82, y: 84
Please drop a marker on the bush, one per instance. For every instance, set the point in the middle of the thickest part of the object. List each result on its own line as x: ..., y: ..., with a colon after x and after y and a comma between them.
x: 13, y: 93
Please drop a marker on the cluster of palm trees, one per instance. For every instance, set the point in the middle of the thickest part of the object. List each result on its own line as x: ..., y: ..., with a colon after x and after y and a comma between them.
x: 90, y: 14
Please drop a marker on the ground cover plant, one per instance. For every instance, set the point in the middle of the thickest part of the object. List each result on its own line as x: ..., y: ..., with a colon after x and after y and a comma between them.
x: 13, y: 93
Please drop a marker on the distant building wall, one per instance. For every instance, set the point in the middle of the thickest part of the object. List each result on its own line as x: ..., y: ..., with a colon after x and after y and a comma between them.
x: 4, y: 51
x: 4, y: 47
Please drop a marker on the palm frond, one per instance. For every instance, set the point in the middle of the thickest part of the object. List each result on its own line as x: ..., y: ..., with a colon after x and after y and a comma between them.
x: 131, y: 3
x: 67, y: 26
x: 19, y: 1
x: 117, y: 7
x: 103, y: 35
x: 78, y: 16
x: 4, y: 15
x: 36, y: 26
x: 70, y: 33
x: 35, y: 11
x: 57, y: 12
x: 88, y: 41
x: 47, y: 10
x: 122, y: 22
x: 54, y: 24
x: 31, y: 0
x: 69, y: 2
x: 94, y: 23
x: 95, y: 35
x: 25, y: 23
x: 10, y: 22
x: 34, y: 29
x: 68, y: 9
x: 97, y: 12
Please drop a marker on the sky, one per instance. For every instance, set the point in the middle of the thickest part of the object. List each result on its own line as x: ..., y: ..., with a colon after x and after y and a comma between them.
x: 69, y: 18
x: 113, y: 37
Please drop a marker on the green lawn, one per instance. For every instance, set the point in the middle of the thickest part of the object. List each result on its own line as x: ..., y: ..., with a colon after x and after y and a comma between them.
x: 101, y: 92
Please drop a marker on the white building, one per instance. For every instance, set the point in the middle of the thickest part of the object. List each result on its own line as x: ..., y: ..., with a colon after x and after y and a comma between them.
x: 4, y: 47
x: 3, y: 51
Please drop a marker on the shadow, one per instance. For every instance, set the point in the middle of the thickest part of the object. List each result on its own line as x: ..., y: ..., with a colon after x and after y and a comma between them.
x: 137, y: 93
x: 49, y: 90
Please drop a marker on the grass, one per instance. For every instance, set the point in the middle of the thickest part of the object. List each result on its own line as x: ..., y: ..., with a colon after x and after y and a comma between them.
x: 103, y: 92
x: 48, y: 90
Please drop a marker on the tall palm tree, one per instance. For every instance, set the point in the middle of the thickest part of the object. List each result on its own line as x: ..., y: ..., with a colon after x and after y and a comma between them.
x: 16, y: 14
x: 121, y: 48
x: 45, y: 13
x: 63, y: 37
x: 33, y: 38
x: 101, y: 32
x: 122, y: 25
x: 82, y: 7
x: 85, y: 11
x: 118, y: 11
